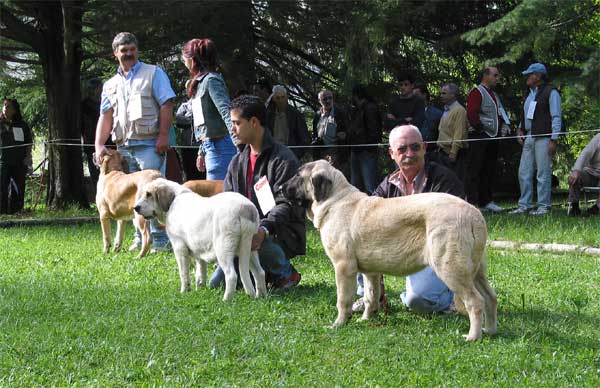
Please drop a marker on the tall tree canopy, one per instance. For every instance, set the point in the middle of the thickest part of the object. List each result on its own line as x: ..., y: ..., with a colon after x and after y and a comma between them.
x: 49, y: 47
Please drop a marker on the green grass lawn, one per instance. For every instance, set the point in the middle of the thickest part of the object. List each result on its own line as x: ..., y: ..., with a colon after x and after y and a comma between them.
x: 70, y: 316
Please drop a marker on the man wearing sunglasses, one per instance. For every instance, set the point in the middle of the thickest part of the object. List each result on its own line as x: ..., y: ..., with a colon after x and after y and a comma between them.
x: 425, y: 292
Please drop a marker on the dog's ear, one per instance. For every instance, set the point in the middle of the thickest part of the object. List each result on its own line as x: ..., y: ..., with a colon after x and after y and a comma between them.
x: 105, y: 162
x: 322, y: 186
x: 164, y: 197
x: 124, y: 165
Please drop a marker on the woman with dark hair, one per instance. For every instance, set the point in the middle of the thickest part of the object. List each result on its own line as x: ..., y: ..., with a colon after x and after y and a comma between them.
x: 210, y: 108
x: 15, y: 157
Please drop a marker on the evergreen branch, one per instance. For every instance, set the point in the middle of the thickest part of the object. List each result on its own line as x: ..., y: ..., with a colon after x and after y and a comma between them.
x: 18, y: 31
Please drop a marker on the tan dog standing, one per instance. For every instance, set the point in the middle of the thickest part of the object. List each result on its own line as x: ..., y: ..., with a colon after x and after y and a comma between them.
x: 115, y: 196
x: 396, y: 236
x: 205, y: 188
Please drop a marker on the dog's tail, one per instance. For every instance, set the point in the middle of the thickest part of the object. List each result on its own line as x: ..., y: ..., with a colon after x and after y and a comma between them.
x: 248, y: 217
x: 479, y: 231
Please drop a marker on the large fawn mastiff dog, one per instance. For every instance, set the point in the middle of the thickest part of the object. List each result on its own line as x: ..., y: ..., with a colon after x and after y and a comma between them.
x: 116, y: 193
x: 205, y: 188
x: 212, y: 229
x: 396, y: 236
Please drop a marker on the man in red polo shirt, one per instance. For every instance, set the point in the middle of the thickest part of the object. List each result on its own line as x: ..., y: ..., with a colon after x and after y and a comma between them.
x: 486, y: 118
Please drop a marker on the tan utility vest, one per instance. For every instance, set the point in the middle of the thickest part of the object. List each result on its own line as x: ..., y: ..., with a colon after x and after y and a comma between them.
x: 488, y: 113
x: 134, y: 116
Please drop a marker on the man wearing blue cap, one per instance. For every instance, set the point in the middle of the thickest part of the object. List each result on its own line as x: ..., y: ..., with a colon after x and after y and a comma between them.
x: 538, y: 133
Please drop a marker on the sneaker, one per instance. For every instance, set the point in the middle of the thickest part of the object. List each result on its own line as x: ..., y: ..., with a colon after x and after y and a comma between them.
x: 573, y: 209
x: 289, y: 283
x: 135, y: 246
x: 359, y: 305
x: 450, y: 310
x: 592, y: 211
x: 162, y: 248
x: 540, y: 211
x: 519, y: 210
x: 492, y: 207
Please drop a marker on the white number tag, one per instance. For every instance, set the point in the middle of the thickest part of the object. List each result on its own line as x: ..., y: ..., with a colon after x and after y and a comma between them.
x: 531, y: 110
x: 18, y: 134
x: 197, y: 112
x: 504, y: 116
x: 266, y: 201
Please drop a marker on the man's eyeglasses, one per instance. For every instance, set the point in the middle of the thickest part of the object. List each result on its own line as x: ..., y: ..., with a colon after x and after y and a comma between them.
x: 414, y: 147
x: 326, y: 98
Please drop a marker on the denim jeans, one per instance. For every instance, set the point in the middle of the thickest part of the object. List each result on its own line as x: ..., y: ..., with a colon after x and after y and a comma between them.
x: 363, y: 166
x: 219, y: 153
x: 272, y: 260
x: 141, y: 155
x: 425, y: 292
x: 535, y: 154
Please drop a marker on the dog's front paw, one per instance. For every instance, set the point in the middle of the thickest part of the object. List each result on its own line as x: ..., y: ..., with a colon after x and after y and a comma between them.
x: 337, y: 324
x: 185, y: 288
x: 471, y: 338
x: 117, y: 248
x: 106, y: 249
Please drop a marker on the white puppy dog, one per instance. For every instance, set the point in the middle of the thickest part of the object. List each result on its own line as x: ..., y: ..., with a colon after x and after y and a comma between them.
x: 216, y: 228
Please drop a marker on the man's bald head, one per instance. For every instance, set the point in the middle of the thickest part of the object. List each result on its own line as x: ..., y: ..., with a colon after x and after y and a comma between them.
x: 405, y: 131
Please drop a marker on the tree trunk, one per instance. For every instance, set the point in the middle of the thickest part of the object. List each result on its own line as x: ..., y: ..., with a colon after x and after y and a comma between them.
x: 61, y: 63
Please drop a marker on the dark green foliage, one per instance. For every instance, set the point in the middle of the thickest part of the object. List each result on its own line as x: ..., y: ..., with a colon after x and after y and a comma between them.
x: 310, y: 45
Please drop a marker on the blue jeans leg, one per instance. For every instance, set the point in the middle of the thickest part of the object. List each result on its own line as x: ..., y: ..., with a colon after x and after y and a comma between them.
x: 360, y: 290
x: 219, y: 153
x: 273, y: 260
x: 144, y: 157
x: 526, y: 169
x: 426, y: 293
x: 543, y: 161
x: 363, y: 166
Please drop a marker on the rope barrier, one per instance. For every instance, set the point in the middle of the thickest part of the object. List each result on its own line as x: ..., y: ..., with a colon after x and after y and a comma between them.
x: 70, y: 142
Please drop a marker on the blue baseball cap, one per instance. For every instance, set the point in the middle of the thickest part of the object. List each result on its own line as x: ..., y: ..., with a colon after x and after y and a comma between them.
x: 536, y: 68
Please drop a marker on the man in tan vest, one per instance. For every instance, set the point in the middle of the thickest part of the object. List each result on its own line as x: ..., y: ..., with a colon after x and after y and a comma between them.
x: 136, y: 108
x: 488, y: 120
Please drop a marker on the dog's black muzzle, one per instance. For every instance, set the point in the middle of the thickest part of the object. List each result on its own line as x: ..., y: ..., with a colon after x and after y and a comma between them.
x: 293, y: 191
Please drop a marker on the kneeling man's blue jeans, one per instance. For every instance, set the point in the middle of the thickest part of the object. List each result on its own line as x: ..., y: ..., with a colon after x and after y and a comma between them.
x: 425, y: 292
x: 272, y: 260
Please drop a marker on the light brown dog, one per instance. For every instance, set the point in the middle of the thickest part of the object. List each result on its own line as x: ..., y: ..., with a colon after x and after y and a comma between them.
x: 205, y: 188
x: 115, y: 197
x: 396, y: 236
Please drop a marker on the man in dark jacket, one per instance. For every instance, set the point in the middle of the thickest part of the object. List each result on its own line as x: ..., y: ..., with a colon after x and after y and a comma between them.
x: 406, y: 108
x: 365, y: 128
x: 431, y: 118
x: 257, y: 172
x: 425, y: 292
x: 286, y: 123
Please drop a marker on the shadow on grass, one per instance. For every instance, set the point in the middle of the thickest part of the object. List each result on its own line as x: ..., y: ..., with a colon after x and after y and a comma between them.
x: 551, y: 328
